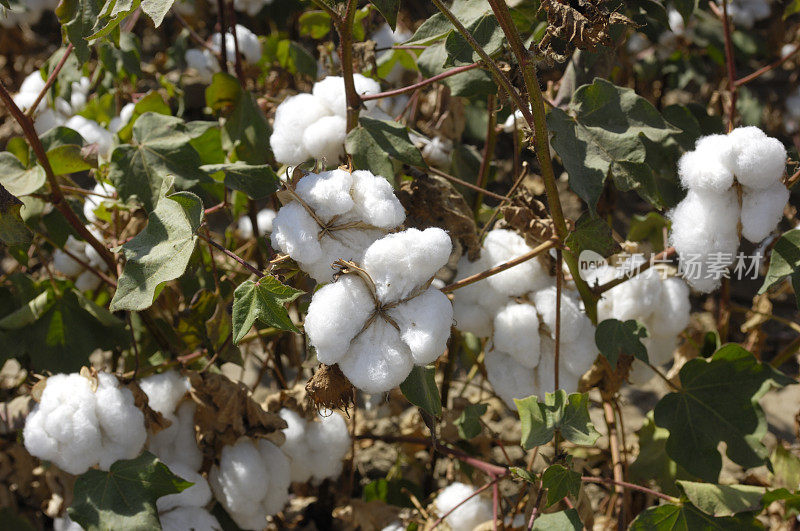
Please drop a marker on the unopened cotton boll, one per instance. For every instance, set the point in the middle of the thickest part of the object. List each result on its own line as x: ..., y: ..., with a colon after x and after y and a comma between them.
x: 251, y: 481
x: 466, y: 516
x: 315, y: 449
x: 77, y: 428
x: 758, y: 161
x: 762, y: 210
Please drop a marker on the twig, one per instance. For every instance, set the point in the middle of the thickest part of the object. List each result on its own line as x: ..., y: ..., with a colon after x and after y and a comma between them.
x: 223, y: 45
x: 761, y: 71
x: 669, y: 252
x: 344, y: 27
x: 726, y: 26
x: 559, y: 281
x: 613, y: 443
x: 50, y: 80
x: 632, y: 486
x: 464, y: 183
x: 420, y: 84
x: 228, y: 253
x: 488, y: 149
x: 194, y: 35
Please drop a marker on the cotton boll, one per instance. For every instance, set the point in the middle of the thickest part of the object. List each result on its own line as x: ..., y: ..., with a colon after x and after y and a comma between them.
x: 637, y: 297
x: 79, y: 94
x: 327, y: 193
x: 708, y: 166
x: 177, y: 443
x: 293, y: 116
x: 164, y: 391
x: 330, y: 91
x: 762, y: 210
x: 64, y: 523
x: 375, y: 202
x: 324, y: 140
x: 249, y: 46
x: 640, y: 374
x: 296, y: 447
x: 475, y: 305
x: 437, y: 152
x: 203, y: 62
x: 502, y: 245
x: 516, y: 332
x: 345, y: 244
x: 87, y: 281
x: 64, y: 263
x: 509, y: 379
x: 572, y: 318
x: 31, y: 86
x: 336, y: 314
x: 295, y: 233
x: 674, y: 309
x: 198, y: 495
x: 759, y: 161
x: 193, y: 518
x: 378, y: 360
x: 472, y: 317
x: 315, y: 449
x: 121, y: 422
x: 579, y: 355
x: 424, y: 323
x: 264, y: 219
x: 660, y: 348
x: 468, y: 515
x: 93, y: 133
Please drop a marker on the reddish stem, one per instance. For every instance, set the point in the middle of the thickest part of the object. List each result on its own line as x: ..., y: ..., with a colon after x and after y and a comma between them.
x: 420, y: 84
x: 50, y: 80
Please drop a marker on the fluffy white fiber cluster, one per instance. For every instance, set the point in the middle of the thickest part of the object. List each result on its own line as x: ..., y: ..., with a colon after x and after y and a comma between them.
x: 746, y: 13
x: 517, y: 309
x: 377, y: 329
x: 29, y: 13
x: 705, y: 223
x: 356, y: 208
x: 251, y: 481
x: 468, y: 515
x: 85, y: 280
x: 251, y: 7
x: 204, y: 61
x: 314, y: 125
x: 661, y: 304
x: 315, y: 449
x: 264, y: 219
x: 77, y: 427
x: 93, y: 202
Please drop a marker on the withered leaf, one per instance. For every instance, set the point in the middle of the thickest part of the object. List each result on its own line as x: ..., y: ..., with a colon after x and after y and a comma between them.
x: 529, y: 217
x: 329, y: 388
x: 154, y: 421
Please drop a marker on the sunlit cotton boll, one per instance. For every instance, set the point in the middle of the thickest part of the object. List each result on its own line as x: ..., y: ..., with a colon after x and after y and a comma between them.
x: 762, y: 210
x: 251, y: 481
x: 708, y: 167
x: 465, y: 517
x: 264, y: 220
x: 77, y: 428
x: 249, y: 47
x: 376, y: 343
x: 315, y: 448
x: 183, y: 518
x: 203, y: 62
x: 758, y: 161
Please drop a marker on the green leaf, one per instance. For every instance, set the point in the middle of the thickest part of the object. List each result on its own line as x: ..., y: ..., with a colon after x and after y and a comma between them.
x: 4, y: 3
x: 468, y: 423
x: 786, y: 467
x: 718, y: 401
x: 568, y: 520
x: 13, y: 231
x: 69, y: 159
x: 156, y: 9
x: 784, y: 260
x: 152, y: 102
x: 60, y: 136
x: 161, y: 148
x: 615, y: 338
x: 224, y: 91
x: 315, y: 24
x: 567, y: 414
x: 295, y: 58
x: 652, y: 462
x: 18, y: 179
x: 791, y: 501
x: 560, y: 482
x: 78, y: 18
x: 723, y: 500
x: 523, y: 474
x: 246, y: 130
x: 159, y: 253
x: 262, y: 301
x: 791, y: 8
x: 373, y: 141
x: 649, y: 227
x: 486, y: 31
x: 125, y: 496
x: 686, y: 516
x: 389, y: 9
x: 593, y: 234
x: 420, y: 389
x: 685, y: 8
x: 113, y: 12
x: 603, y: 135
x: 257, y: 182
x: 207, y: 141
x: 392, y: 491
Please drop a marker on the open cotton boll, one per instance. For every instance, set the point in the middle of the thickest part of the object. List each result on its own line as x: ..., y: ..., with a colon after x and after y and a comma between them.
x: 264, y: 219
x: 251, y: 481
x: 93, y: 202
x: 674, y: 309
x: 64, y: 263
x: 88, y: 281
x: 437, y: 152
x: 502, y: 245
x: 325, y: 138
x: 375, y: 202
x: 475, y: 305
x: 573, y: 319
x: 77, y: 428
x: 708, y: 166
x: 330, y: 91
x: 759, y: 161
x: 125, y: 115
x: 65, y: 523
x: 249, y: 46
x: 637, y: 297
x: 516, y: 331
x: 203, y: 62
x: 31, y: 86
x: 762, y: 210
x: 746, y: 13
x: 178, y: 443
x: 377, y: 360
x: 198, y: 495
x: 165, y: 390
x: 93, y: 133
x: 293, y: 116
x: 468, y: 515
x: 508, y: 377
x: 424, y: 323
x: 315, y: 449
x: 193, y: 518
x: 295, y: 233
x: 327, y: 193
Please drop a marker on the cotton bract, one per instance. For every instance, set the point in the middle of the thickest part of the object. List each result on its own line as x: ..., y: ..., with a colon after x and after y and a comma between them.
x: 704, y: 225
x: 315, y: 449
x: 468, y: 515
x: 352, y: 210
x: 77, y: 428
x: 377, y: 337
x: 251, y: 481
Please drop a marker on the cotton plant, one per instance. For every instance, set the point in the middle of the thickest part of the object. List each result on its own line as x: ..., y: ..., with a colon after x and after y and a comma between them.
x: 334, y: 215
x: 315, y: 448
x: 705, y: 224
x: 314, y: 125
x: 382, y: 317
x: 204, y: 60
x: 84, y: 421
x: 64, y: 262
x: 251, y: 481
x: 464, y: 516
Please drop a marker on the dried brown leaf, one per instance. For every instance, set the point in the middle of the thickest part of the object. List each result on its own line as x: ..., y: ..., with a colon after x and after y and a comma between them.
x: 528, y: 216
x: 329, y: 388
x: 154, y: 421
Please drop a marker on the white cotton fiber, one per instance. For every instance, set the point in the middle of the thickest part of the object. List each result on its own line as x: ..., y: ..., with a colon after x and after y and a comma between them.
x: 572, y: 317
x: 93, y: 133
x: 31, y: 86
x: 249, y: 47
x: 264, y: 218
x: 293, y: 116
x: 327, y: 193
x: 64, y: 263
x: 251, y: 481
x: 468, y: 515
x: 77, y: 428
x: 295, y: 233
x: 516, y: 332
x: 315, y: 449
x: 672, y: 314
x: 437, y: 151
x: 509, y: 379
x: 762, y: 210
x: 198, y: 495
x: 203, y: 62
x: 178, y: 443
x: 325, y: 139
x: 375, y: 202
x: 708, y: 166
x: 424, y: 323
x: 165, y: 390
x: 503, y: 245
x: 330, y: 91
x: 189, y: 518
x: 759, y: 161
x: 378, y: 359
x: 87, y: 281
x: 475, y: 305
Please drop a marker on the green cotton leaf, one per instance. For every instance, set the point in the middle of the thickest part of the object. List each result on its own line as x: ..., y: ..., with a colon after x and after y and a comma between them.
x: 594, y: 234
x: 124, y: 497
x: 791, y: 501
x: 486, y: 31
x: 263, y: 301
x: 785, y: 468
x: 603, y: 135
x: 374, y: 141
x: 420, y: 389
x: 685, y: 8
x: 314, y: 24
x: 569, y: 414
x: 615, y: 338
x: 469, y: 84
x: 152, y: 102
x: 568, y: 520
x: 257, y: 182
x: 648, y: 228
x: 60, y: 136
x: 389, y: 9
x: 437, y: 27
x: 13, y: 230
x: 156, y: 9
x: 560, y: 482
x: 69, y: 159
x: 161, y: 149
x: 78, y: 18
x: 468, y: 423
x: 792, y: 8
x: 224, y: 91
x: 295, y: 58
x: 718, y: 401
x: 723, y: 500
x: 247, y: 131
x: 686, y: 516
x: 393, y: 491
x: 112, y: 14
x: 652, y: 462
x: 18, y: 179
x: 160, y: 252
x: 4, y: 3
x: 784, y: 260
x: 18, y: 147
x: 207, y: 141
